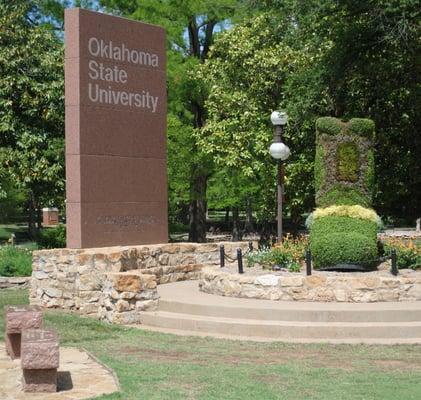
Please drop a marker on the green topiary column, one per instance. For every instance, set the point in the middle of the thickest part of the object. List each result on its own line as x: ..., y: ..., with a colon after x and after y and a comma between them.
x: 344, y: 228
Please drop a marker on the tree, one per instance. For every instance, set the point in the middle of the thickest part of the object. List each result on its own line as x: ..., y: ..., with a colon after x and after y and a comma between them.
x: 31, y: 106
x: 247, y: 74
x: 191, y: 26
x: 373, y: 70
x: 359, y: 60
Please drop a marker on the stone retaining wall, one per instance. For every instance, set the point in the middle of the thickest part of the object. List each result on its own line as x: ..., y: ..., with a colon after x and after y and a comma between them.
x: 117, y: 283
x: 321, y: 286
x: 14, y: 282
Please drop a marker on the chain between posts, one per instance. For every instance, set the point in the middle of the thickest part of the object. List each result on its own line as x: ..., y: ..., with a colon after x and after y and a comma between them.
x: 308, y: 259
x: 239, y: 259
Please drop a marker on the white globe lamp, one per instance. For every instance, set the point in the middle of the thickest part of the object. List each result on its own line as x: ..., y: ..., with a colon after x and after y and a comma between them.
x: 279, y: 118
x: 279, y: 151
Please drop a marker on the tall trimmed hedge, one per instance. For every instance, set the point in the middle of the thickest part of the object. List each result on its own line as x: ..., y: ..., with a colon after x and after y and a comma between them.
x: 344, y: 162
x: 344, y: 175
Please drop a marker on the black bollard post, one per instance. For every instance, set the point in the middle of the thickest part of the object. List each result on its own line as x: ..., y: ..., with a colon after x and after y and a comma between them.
x: 240, y: 261
x: 393, y: 257
x: 250, y: 246
x: 222, y: 256
x: 308, y: 262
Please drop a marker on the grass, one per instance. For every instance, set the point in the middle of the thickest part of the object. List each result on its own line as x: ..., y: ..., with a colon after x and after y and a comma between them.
x: 161, y: 366
x: 15, y: 261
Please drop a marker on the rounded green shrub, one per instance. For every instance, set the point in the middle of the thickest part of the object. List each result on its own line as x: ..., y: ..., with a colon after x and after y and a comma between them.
x: 329, y: 125
x: 362, y: 127
x: 345, y: 247
x: 338, y: 239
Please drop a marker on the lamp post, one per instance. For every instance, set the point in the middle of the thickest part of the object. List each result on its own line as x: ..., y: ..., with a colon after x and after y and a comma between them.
x: 280, y: 152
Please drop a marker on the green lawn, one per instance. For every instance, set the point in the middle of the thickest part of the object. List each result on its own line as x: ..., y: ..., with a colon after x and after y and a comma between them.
x: 158, y: 366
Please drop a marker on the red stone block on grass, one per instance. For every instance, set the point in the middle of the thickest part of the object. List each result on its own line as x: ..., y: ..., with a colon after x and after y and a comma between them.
x: 39, y: 360
x: 17, y: 319
x: 39, y: 349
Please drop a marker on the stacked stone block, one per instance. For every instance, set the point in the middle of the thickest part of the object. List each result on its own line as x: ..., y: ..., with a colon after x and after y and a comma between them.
x: 40, y: 360
x: 363, y: 287
x: 19, y: 318
x: 117, y: 283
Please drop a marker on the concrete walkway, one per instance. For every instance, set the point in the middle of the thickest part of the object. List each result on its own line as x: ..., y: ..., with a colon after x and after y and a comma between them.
x: 79, y: 377
x: 183, y: 309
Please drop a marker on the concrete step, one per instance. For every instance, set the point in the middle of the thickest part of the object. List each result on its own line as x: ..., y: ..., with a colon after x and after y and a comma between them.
x: 282, y: 329
x: 292, y: 313
x: 183, y: 309
x: 185, y: 298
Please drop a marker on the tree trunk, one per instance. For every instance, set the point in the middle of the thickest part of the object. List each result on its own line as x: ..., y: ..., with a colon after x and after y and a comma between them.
x: 249, y: 227
x: 199, y: 174
x: 236, y: 230
x: 227, y: 217
x: 39, y: 217
x: 31, y: 215
x: 197, y: 209
x: 264, y: 240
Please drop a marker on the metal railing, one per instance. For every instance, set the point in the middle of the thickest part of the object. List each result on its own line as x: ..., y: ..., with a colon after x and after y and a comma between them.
x: 308, y: 259
x: 239, y: 259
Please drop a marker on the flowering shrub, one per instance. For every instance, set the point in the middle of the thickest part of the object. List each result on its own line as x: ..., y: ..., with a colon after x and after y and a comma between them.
x: 288, y: 254
x: 408, y: 252
x: 355, y: 211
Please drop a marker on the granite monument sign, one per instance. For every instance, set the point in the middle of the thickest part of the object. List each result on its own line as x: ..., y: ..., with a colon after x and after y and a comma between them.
x: 115, y: 91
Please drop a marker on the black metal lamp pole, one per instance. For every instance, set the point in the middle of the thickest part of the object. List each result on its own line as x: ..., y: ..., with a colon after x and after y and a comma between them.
x: 280, y: 152
x: 277, y: 138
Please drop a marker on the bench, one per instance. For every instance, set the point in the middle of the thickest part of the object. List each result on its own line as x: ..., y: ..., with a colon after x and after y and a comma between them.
x: 39, y: 360
x: 19, y: 318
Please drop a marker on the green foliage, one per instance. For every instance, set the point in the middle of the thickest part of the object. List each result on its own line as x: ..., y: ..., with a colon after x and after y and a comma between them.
x: 245, y: 74
x: 12, y: 199
x: 341, y: 194
x: 408, y: 252
x: 369, y: 179
x: 347, y: 159
x: 52, y: 238
x: 319, y: 168
x: 329, y: 125
x: 287, y: 254
x: 337, y: 239
x: 31, y: 103
x: 372, y: 69
x: 15, y: 261
x: 362, y: 127
x: 340, y: 224
x: 267, y: 258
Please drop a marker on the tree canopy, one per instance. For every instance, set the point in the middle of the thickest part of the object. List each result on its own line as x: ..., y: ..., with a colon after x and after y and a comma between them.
x: 230, y: 63
x: 31, y: 104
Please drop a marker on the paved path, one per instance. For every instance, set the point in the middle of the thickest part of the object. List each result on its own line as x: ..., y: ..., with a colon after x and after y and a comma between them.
x: 79, y: 377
